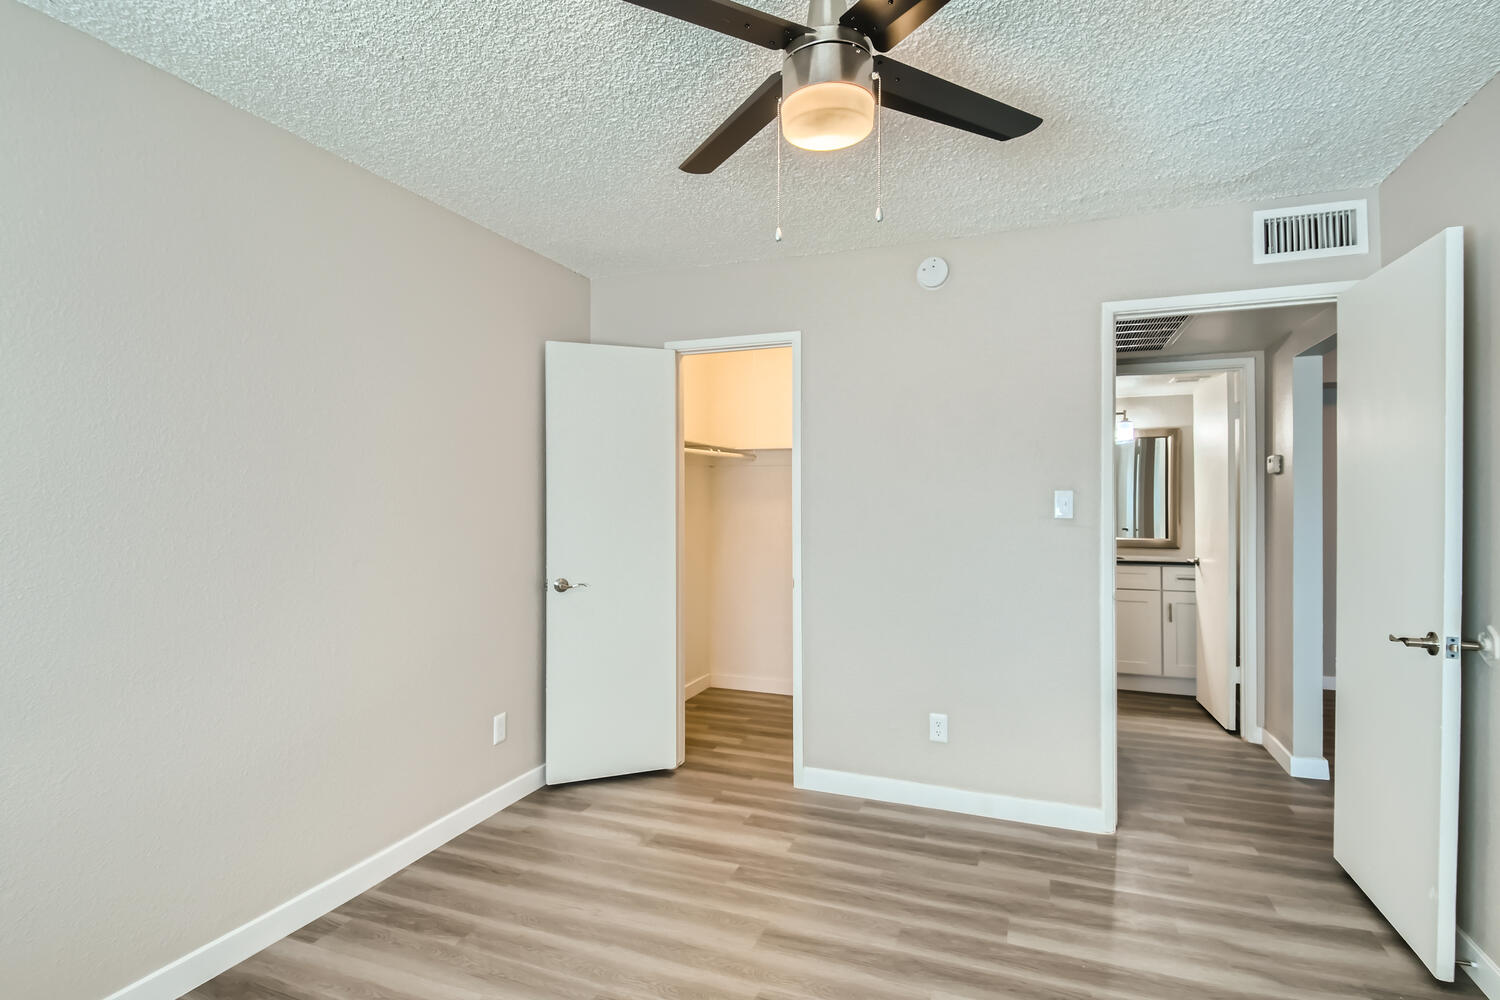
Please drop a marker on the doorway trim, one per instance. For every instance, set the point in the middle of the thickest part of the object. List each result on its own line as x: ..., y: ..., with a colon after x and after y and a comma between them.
x: 747, y: 342
x: 1254, y: 646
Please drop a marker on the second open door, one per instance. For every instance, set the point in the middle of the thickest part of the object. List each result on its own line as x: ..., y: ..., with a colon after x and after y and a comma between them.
x: 1215, y: 511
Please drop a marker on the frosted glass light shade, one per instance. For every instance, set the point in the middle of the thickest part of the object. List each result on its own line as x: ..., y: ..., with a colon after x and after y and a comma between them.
x: 830, y: 115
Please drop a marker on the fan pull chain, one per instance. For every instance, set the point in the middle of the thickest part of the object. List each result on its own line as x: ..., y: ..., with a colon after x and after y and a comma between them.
x: 879, y: 103
x: 778, y: 170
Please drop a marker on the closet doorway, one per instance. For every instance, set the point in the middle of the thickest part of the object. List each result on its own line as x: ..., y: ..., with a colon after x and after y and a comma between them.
x: 739, y: 530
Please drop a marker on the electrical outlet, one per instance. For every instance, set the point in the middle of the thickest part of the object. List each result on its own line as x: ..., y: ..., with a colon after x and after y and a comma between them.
x: 937, y: 727
x: 499, y: 729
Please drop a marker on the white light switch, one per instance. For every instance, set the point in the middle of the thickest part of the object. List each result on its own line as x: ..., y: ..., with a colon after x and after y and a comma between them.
x: 499, y: 730
x: 1062, y: 504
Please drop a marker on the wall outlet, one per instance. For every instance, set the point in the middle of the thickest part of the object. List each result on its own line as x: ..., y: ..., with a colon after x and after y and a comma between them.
x: 937, y: 727
x: 499, y: 732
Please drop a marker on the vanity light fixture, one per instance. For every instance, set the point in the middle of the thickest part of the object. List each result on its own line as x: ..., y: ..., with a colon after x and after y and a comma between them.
x: 1124, y: 429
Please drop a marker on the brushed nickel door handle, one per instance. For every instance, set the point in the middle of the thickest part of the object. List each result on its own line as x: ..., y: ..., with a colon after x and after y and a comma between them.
x: 1428, y: 642
x: 562, y: 586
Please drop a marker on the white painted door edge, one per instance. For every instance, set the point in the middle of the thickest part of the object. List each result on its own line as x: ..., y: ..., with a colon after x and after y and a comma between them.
x: 792, y: 339
x: 1254, y: 298
x: 228, y: 950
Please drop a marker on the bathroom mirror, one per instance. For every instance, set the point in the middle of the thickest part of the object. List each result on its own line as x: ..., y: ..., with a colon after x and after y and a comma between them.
x: 1147, y: 490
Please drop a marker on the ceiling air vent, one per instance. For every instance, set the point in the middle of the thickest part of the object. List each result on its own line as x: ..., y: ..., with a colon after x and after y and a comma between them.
x: 1151, y: 333
x: 1309, y: 231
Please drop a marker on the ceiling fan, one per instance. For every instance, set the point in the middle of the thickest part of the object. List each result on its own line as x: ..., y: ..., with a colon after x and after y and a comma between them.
x: 826, y: 85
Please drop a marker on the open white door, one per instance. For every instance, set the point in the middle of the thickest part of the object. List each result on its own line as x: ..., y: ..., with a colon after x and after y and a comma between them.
x: 1215, y: 542
x: 1400, y: 508
x: 612, y: 457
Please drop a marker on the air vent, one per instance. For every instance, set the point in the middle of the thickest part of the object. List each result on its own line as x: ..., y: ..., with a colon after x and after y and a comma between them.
x: 1309, y: 231
x: 1152, y: 333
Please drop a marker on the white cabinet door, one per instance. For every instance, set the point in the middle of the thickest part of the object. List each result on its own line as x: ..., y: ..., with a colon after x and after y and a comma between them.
x: 1138, y: 632
x: 1179, y: 634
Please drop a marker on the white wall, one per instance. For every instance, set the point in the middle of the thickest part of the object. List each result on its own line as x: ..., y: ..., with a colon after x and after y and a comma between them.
x: 738, y: 399
x: 1330, y: 514
x: 1450, y: 181
x: 750, y: 641
x: 935, y: 427
x: 698, y: 534
x: 270, y: 512
x: 1280, y: 526
x: 1167, y: 411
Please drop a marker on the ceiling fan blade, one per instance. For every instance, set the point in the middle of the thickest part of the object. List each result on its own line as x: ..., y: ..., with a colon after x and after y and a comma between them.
x: 731, y: 18
x: 886, y: 22
x: 754, y: 114
x: 926, y: 96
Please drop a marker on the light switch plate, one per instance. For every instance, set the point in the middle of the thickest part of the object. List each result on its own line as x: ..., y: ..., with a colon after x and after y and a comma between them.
x: 1062, y: 504
x: 499, y: 732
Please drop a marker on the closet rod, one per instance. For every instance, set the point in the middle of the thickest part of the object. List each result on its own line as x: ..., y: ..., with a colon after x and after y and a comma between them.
x: 713, y: 449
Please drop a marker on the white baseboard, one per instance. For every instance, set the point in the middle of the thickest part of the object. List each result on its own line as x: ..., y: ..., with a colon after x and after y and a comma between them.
x: 199, y: 966
x: 750, y: 682
x: 1090, y: 819
x: 1184, y: 686
x: 696, y: 686
x: 1330, y: 683
x: 1484, y: 971
x: 1297, y: 767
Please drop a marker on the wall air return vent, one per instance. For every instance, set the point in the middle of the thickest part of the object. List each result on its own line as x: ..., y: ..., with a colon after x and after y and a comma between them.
x: 1152, y: 333
x: 1309, y: 231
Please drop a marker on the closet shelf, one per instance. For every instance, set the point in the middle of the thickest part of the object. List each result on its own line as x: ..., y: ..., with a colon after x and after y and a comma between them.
x: 698, y: 448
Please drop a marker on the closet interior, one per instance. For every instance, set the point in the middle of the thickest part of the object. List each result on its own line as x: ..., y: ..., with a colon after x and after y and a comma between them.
x: 737, y: 520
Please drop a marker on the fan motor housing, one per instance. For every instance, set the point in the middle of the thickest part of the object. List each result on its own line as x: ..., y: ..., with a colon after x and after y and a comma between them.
x: 830, y: 54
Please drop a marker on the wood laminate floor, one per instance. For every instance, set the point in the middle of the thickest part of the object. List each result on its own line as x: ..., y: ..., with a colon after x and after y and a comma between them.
x: 721, y: 880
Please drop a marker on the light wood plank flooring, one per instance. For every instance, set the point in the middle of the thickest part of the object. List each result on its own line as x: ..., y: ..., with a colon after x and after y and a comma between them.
x: 721, y: 880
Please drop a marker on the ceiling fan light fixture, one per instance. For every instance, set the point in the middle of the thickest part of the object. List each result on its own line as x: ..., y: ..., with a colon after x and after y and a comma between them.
x: 827, y: 99
x: 827, y: 116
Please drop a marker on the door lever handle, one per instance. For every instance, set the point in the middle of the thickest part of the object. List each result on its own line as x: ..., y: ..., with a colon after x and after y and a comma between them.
x: 1428, y: 642
x: 562, y: 586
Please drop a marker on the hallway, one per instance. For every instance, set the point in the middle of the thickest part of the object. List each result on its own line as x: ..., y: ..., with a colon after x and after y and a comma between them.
x: 721, y: 880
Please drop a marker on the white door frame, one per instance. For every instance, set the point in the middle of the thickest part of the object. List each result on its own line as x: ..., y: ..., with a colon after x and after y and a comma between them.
x: 1252, y: 538
x: 792, y: 339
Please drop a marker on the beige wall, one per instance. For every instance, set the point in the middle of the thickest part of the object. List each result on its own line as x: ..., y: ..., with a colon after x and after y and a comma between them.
x: 1330, y: 516
x: 738, y: 399
x: 1167, y: 411
x: 1279, y: 716
x: 270, y: 512
x: 935, y: 427
x: 738, y: 605
x: 698, y: 534
x: 1450, y: 181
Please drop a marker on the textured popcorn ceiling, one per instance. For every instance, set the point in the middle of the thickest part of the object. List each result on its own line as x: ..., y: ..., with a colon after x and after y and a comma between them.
x: 560, y: 125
